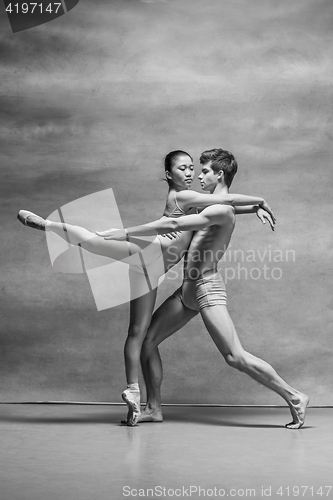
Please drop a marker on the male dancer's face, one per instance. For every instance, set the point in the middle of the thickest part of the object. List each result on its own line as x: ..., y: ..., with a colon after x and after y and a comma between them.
x: 208, y: 178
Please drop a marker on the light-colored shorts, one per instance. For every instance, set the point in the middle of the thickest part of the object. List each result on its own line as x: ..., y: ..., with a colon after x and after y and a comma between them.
x: 209, y: 290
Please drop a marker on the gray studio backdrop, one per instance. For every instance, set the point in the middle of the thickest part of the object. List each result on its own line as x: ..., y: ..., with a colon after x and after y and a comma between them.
x: 94, y: 100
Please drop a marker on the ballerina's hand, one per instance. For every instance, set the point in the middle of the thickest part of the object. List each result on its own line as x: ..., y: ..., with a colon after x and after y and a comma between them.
x: 268, y: 209
x: 112, y: 234
x: 264, y: 215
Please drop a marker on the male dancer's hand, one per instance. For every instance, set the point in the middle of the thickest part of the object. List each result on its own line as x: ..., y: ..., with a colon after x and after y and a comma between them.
x: 113, y: 234
x: 120, y: 234
x: 264, y: 215
x: 268, y: 209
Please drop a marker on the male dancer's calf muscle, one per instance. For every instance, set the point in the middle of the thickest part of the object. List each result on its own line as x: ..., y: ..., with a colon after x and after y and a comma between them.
x: 222, y: 330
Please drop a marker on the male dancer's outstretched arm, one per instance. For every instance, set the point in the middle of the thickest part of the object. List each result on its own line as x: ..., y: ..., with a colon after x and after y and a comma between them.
x: 192, y: 222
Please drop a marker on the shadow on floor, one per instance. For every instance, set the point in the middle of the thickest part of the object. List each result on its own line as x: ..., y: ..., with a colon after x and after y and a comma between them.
x: 226, y: 417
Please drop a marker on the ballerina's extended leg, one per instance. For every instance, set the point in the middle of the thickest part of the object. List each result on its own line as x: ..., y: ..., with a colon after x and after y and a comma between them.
x: 79, y: 236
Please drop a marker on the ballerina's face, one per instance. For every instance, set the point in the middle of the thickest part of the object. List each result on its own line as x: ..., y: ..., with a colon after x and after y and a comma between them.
x: 182, y: 172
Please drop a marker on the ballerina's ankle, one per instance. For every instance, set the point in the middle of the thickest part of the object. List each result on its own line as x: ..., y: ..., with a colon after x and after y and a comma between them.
x: 133, y: 387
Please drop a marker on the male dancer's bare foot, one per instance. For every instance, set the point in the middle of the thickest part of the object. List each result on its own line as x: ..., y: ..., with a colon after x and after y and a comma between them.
x: 147, y: 415
x: 151, y: 415
x: 132, y: 399
x: 297, y: 408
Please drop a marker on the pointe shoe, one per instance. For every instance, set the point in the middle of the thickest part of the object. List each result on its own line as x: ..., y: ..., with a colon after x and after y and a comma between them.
x: 32, y: 220
x: 132, y: 399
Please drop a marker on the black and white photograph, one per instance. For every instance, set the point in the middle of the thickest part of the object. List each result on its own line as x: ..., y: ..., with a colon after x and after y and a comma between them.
x: 166, y: 254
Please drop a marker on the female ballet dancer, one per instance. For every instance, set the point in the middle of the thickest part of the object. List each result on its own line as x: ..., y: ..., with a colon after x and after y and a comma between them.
x: 179, y: 172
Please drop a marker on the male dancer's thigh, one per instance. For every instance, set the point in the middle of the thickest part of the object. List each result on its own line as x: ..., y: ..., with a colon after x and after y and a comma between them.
x: 188, y: 294
x: 221, y: 328
x: 170, y: 317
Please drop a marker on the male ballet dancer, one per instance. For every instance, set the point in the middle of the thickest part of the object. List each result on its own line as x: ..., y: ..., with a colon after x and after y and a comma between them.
x: 203, y: 291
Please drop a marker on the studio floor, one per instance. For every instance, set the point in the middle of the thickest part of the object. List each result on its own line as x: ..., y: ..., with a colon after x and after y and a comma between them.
x: 65, y: 452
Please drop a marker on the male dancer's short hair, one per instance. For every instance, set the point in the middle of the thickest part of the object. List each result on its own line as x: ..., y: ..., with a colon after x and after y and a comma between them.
x: 221, y: 160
